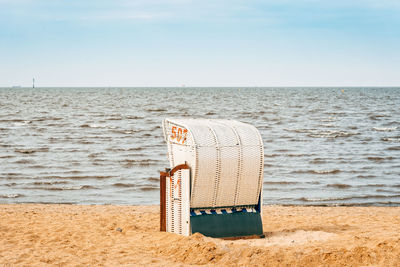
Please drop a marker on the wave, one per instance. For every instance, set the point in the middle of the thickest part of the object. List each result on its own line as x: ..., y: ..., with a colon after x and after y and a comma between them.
x: 330, y: 119
x: 329, y: 125
x: 12, y: 174
x: 123, y: 131
x: 148, y: 188
x: 391, y: 123
x: 272, y: 189
x: 32, y: 150
x: 366, y: 176
x: 11, y: 196
x: 393, y: 148
x: 377, y: 117
x: 130, y: 117
x: 65, y: 188
x: 7, y: 157
x: 128, y: 163
x: 10, y: 184
x: 135, y: 148
x: 379, y: 159
x: 297, y: 130
x: 37, y: 167
x: 12, y: 120
x: 50, y: 183
x: 153, y: 179
x: 91, y: 125
x: 279, y: 183
x: 6, y: 145
x: 271, y: 155
x: 384, y: 129
x: 44, y: 129
x: 24, y: 161
x: 94, y: 155
x: 304, y: 199
x: 316, y: 172
x: 22, y: 123
x: 391, y: 139
x: 156, y: 110
x: 298, y: 155
x: 25, y: 151
x: 115, y: 118
x: 282, y: 150
x: 318, y: 161
x: 351, y: 204
x: 52, y: 202
x: 46, y: 118
x: 119, y: 149
x: 339, y: 186
x: 352, y: 127
x: 387, y: 191
x: 97, y: 177
x: 85, y: 142
x: 375, y: 185
x: 123, y: 185
x: 331, y: 134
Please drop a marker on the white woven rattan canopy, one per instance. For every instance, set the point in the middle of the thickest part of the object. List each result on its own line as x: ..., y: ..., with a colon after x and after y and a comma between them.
x: 226, y: 159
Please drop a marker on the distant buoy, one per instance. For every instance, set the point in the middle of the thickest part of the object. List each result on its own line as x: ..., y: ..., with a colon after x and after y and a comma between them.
x: 342, y: 90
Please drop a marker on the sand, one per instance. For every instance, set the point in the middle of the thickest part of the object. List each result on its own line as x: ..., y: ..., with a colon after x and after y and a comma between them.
x: 75, y: 235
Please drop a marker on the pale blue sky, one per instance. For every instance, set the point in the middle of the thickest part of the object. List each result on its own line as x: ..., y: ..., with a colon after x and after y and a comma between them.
x: 200, y: 43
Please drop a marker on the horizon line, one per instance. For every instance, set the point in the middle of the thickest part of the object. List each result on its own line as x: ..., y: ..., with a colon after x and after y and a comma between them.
x: 183, y: 87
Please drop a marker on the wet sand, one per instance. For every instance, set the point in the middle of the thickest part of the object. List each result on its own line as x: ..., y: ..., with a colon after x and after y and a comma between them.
x: 107, y: 235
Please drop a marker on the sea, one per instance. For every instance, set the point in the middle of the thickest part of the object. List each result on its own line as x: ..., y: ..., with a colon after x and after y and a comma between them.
x: 323, y: 146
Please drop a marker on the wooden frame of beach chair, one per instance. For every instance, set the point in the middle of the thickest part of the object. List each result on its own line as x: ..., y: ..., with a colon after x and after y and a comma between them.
x: 163, y: 182
x: 214, y: 185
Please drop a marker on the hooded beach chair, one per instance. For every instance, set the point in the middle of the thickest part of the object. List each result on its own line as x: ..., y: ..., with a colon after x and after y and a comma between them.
x: 214, y: 183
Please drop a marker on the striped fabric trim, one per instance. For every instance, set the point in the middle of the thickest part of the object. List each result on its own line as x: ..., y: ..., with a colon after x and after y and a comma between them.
x: 197, y: 212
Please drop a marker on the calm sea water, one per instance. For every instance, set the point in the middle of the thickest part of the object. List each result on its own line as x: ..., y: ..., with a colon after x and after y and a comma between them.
x: 323, y: 146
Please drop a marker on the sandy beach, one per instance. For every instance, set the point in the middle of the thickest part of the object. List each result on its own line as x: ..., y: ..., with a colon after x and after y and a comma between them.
x: 106, y: 235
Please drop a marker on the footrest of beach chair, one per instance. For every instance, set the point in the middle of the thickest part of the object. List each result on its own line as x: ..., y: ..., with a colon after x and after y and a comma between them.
x: 227, y: 225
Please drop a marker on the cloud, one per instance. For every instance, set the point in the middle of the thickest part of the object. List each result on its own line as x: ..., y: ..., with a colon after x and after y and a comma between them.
x: 382, y: 4
x: 286, y: 13
x: 125, y: 15
x: 75, y: 11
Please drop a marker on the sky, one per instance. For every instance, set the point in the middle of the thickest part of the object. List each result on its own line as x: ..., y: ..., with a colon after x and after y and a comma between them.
x: 199, y: 43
